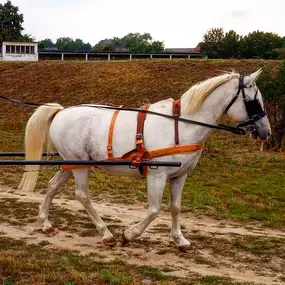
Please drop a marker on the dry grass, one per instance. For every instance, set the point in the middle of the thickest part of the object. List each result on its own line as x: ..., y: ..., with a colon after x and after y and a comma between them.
x: 128, y: 83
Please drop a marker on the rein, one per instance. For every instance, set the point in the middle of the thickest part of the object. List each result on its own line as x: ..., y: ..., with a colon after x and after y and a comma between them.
x: 236, y: 130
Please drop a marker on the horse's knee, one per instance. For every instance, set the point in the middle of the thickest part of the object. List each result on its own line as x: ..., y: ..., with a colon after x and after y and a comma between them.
x: 153, y: 213
x: 175, y: 209
x: 52, y: 188
x: 81, y: 196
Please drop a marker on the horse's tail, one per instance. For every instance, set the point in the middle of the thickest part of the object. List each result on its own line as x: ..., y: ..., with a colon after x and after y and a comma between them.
x: 35, y: 136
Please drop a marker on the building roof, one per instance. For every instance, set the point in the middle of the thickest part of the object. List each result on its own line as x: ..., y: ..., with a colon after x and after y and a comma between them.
x: 17, y: 42
x: 179, y: 49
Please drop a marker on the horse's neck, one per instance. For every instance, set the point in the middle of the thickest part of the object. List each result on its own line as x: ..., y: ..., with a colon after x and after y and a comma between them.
x: 211, y: 110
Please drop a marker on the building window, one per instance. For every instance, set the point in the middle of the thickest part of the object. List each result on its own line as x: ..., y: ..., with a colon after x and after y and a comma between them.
x: 20, y: 49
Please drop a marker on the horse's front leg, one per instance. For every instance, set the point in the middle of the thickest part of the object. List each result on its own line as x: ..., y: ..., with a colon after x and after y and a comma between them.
x: 155, y: 187
x: 176, y: 187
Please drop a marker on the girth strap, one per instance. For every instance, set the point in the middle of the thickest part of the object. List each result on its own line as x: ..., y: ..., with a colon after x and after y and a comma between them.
x: 176, y: 112
x: 111, y: 132
x: 140, y: 129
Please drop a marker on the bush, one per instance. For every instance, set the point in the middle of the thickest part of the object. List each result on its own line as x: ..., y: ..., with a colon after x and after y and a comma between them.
x: 272, y: 86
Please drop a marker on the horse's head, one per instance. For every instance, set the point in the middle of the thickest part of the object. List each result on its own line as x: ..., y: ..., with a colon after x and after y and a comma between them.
x: 247, y: 106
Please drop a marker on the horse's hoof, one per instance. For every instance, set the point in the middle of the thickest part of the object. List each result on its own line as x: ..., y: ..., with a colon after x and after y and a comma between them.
x: 109, y: 241
x: 50, y: 232
x: 185, y: 248
x: 125, y: 241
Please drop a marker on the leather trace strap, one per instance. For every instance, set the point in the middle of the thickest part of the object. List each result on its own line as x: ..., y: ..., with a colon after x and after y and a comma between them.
x: 181, y: 149
x: 111, y: 133
x: 176, y: 112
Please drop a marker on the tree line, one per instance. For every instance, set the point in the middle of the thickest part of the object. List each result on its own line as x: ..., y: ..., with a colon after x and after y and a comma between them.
x: 132, y: 42
x: 218, y: 44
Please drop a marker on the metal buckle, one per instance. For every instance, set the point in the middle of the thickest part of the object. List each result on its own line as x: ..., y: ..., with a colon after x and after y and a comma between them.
x: 153, y: 167
x: 133, y: 166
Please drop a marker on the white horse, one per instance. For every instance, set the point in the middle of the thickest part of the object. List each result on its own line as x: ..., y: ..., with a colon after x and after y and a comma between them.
x: 81, y: 133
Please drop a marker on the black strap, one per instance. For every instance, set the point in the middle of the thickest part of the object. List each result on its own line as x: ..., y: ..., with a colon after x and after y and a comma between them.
x: 24, y: 103
x: 235, y: 130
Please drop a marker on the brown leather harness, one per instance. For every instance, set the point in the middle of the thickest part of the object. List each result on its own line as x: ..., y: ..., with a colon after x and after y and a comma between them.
x: 140, y: 153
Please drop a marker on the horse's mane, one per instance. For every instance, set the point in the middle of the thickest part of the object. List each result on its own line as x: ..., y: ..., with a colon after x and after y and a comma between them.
x: 200, y: 91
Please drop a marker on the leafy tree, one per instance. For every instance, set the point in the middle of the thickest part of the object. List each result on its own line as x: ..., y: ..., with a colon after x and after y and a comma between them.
x: 27, y: 38
x: 46, y: 43
x: 229, y: 45
x: 136, y: 42
x: 10, y: 22
x: 133, y: 42
x: 211, y: 44
x: 68, y: 44
x: 281, y: 53
x: 259, y: 44
x: 272, y: 86
x: 64, y: 43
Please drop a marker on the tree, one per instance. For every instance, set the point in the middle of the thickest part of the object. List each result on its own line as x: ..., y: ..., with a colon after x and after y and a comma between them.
x: 211, y: 44
x: 229, y: 45
x: 132, y: 42
x: 46, y: 43
x: 10, y: 22
x: 260, y: 45
x: 272, y: 86
x: 68, y: 44
x: 27, y: 38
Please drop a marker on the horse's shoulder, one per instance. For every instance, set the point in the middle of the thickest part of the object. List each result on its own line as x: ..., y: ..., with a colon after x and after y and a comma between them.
x: 163, y: 103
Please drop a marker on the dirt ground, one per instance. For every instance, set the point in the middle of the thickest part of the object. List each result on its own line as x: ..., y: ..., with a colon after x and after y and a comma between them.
x: 223, y: 248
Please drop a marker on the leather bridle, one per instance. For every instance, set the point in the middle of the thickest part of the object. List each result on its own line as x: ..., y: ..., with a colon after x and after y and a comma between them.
x: 253, y: 107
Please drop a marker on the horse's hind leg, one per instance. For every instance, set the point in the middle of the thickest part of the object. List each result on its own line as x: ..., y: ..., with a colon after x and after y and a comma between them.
x: 53, y: 188
x: 81, y: 193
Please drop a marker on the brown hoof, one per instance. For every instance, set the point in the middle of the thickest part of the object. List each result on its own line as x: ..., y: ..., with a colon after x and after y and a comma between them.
x: 186, y: 248
x: 125, y: 241
x: 109, y: 242
x: 50, y: 232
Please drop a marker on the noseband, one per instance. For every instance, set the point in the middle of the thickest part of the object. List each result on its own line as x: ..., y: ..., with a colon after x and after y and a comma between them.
x: 253, y: 107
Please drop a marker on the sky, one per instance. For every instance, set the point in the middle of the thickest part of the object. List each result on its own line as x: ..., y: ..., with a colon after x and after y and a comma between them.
x: 178, y: 23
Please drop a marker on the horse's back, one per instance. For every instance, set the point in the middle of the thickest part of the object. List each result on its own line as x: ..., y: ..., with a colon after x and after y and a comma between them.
x: 82, y: 132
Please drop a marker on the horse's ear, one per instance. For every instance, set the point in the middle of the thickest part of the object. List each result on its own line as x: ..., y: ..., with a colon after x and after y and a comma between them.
x: 254, y: 76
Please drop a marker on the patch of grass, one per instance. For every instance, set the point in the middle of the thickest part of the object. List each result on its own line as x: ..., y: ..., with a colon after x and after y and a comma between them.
x: 121, y: 278
x: 30, y: 264
x: 256, y: 251
x: 153, y: 273
x: 215, y: 280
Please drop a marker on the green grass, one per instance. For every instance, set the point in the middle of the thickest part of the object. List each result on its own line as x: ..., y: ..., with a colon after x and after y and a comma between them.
x: 30, y: 264
x: 33, y: 264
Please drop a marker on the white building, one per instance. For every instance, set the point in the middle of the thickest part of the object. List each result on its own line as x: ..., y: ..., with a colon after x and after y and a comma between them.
x: 19, y: 51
